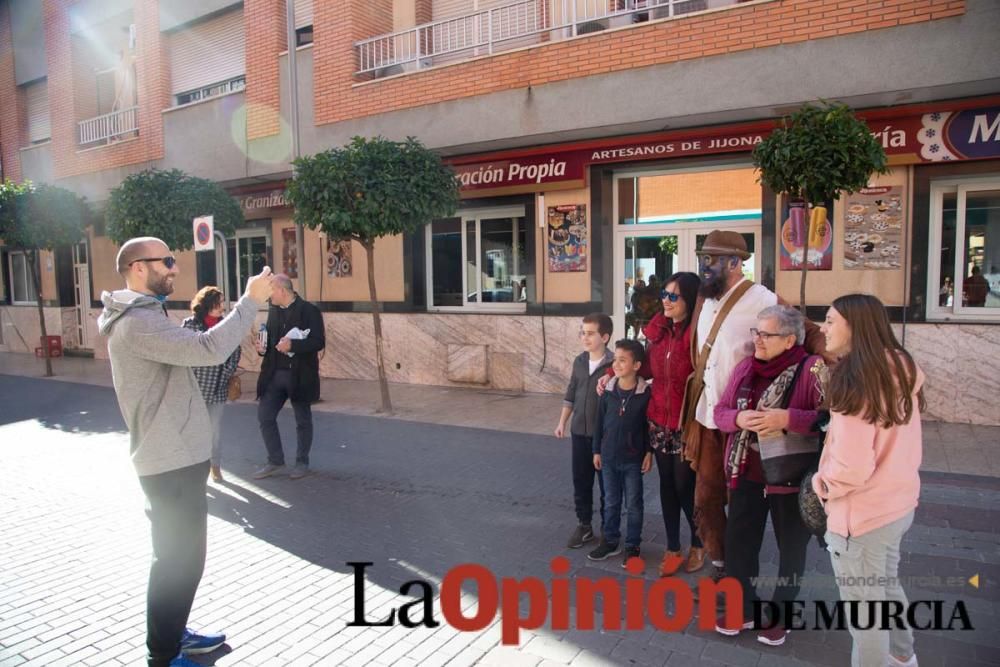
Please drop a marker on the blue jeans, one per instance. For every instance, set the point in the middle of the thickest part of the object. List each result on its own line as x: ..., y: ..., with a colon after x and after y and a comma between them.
x: 622, y: 481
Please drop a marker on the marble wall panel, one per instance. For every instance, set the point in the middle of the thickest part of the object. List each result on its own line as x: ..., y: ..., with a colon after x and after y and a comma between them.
x: 507, y: 371
x: 468, y: 363
x: 21, y: 330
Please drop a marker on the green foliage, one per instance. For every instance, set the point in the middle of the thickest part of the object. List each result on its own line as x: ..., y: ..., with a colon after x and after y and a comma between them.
x: 668, y: 244
x: 818, y: 152
x: 163, y: 204
x: 41, y: 217
x: 372, y: 188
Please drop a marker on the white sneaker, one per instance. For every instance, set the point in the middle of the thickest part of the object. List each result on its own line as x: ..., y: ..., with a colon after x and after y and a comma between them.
x: 896, y: 662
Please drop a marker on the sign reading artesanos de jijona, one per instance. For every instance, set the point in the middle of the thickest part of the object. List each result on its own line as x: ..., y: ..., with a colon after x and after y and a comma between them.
x: 908, y: 137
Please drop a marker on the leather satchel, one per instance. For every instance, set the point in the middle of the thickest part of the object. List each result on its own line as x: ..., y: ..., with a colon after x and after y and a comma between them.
x: 235, y: 388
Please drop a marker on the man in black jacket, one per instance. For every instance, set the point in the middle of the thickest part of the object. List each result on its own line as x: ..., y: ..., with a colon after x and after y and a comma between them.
x: 290, y: 371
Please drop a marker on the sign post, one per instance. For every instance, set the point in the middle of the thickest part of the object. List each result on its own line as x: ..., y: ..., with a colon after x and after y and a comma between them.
x: 204, y: 233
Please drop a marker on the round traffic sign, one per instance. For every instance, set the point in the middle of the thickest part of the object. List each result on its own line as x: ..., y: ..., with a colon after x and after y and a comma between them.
x: 203, y: 233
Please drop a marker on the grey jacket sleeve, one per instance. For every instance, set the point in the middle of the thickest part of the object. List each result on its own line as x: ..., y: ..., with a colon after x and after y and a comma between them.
x: 151, y: 336
x: 570, y: 395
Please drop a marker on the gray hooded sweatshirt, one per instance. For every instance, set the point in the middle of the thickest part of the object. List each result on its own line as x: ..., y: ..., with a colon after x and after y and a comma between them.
x: 151, y: 361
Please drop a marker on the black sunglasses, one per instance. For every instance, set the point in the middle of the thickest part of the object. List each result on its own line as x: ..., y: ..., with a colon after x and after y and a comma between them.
x: 168, y: 261
x: 671, y: 296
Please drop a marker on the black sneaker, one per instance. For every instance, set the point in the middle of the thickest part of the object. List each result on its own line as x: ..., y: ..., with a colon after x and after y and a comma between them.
x: 630, y: 552
x: 581, y: 535
x: 605, y: 551
x: 718, y: 572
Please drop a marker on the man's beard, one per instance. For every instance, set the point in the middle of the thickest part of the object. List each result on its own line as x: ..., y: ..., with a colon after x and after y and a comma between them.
x: 715, y: 286
x: 158, y: 284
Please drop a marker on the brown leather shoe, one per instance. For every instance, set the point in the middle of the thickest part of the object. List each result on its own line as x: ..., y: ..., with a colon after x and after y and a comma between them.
x: 695, y: 560
x: 216, y: 474
x: 671, y: 563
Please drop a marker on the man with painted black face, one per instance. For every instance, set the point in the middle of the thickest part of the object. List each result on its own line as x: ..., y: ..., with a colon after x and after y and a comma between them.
x: 728, y: 309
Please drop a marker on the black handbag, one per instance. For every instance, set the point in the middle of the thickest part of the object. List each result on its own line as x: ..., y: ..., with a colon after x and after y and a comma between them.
x: 785, y: 456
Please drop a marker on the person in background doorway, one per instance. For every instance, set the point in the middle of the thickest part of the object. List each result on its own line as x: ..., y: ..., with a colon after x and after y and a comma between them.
x: 206, y: 312
x: 869, y: 472
x: 976, y: 288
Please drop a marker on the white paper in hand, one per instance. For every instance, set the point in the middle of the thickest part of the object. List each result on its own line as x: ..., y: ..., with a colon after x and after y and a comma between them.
x: 296, y: 333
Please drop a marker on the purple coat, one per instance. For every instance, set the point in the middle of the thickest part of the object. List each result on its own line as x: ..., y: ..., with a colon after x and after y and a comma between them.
x: 807, y: 396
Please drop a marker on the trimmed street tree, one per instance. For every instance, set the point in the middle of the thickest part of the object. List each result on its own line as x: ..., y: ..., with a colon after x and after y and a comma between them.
x: 368, y: 189
x: 164, y: 204
x: 40, y: 217
x: 817, y: 153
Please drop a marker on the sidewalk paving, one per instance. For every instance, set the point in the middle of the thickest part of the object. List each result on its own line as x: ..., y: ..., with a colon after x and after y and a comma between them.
x: 952, y: 448
x: 415, y: 499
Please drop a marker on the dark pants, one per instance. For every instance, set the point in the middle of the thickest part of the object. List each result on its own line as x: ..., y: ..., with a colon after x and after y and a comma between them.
x: 277, y: 392
x: 178, y: 514
x: 622, y: 481
x: 583, y: 479
x: 677, y: 481
x: 748, y: 510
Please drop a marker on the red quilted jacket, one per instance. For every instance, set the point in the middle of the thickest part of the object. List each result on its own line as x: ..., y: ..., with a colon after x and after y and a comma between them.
x: 669, y: 365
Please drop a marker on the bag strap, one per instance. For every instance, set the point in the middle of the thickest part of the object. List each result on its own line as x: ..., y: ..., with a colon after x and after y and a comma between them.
x: 706, y: 349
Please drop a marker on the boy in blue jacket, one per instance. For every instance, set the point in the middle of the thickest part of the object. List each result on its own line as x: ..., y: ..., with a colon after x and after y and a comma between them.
x: 621, y: 451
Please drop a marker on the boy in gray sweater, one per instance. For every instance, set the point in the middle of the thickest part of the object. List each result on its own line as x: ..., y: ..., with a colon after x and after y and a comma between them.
x: 169, y: 429
x: 581, y: 402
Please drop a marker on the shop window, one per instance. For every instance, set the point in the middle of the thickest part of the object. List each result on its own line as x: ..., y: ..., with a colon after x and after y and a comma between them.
x: 22, y: 287
x: 478, y: 261
x: 964, y: 276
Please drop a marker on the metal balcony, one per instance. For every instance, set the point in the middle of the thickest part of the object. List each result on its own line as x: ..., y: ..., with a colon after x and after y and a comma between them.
x: 109, y: 127
x: 508, y: 27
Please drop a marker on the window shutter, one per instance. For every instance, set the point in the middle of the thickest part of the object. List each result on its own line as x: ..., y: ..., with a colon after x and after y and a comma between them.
x: 208, y: 52
x: 37, y: 100
x: 303, y: 13
x: 449, y: 9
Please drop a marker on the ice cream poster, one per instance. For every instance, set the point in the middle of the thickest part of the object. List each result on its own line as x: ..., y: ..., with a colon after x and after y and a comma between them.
x: 567, y: 233
x: 800, y: 225
x: 873, y: 228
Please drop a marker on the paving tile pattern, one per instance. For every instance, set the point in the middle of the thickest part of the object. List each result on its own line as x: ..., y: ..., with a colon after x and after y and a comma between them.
x: 415, y: 500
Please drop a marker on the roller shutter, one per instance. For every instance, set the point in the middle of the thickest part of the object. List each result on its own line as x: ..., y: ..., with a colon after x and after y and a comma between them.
x: 208, y: 52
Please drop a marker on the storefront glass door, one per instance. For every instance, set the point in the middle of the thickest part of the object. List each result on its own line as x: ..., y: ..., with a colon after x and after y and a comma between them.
x: 662, y: 220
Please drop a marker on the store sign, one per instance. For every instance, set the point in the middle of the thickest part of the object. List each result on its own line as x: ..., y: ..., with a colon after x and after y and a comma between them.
x: 971, y: 134
x: 260, y: 201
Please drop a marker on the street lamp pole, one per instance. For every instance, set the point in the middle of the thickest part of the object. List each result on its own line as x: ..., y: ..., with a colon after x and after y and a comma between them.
x: 293, y: 110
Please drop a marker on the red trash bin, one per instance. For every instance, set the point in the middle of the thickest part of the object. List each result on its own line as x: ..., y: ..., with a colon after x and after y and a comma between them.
x: 53, y: 343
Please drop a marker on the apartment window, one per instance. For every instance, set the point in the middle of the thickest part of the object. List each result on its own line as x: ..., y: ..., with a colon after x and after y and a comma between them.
x: 237, y: 83
x: 964, y: 275
x: 36, y: 97
x: 478, y: 261
x: 22, y: 287
x: 303, y: 22
x: 207, y: 58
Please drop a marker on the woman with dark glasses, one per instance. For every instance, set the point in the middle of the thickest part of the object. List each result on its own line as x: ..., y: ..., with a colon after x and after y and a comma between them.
x: 668, y: 353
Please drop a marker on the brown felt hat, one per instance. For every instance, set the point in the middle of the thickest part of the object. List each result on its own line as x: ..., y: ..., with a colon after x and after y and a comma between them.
x: 721, y: 242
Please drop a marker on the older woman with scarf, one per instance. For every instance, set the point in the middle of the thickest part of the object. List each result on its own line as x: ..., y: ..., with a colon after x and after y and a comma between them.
x: 206, y: 312
x: 778, y: 389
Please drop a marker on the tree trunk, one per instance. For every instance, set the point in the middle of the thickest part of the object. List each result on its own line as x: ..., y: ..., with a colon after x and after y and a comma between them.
x: 34, y: 259
x: 805, y: 272
x: 383, y: 383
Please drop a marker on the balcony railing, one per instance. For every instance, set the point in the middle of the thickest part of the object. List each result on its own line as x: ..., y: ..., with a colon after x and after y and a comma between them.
x: 510, y: 26
x: 110, y: 126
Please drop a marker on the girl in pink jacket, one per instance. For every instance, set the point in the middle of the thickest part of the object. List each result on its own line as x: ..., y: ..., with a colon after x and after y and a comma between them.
x: 868, y: 474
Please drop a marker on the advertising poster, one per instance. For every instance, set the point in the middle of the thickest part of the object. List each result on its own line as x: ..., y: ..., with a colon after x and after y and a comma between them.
x: 338, y: 259
x: 796, y: 229
x: 873, y: 228
x: 567, y: 234
x: 289, y: 253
